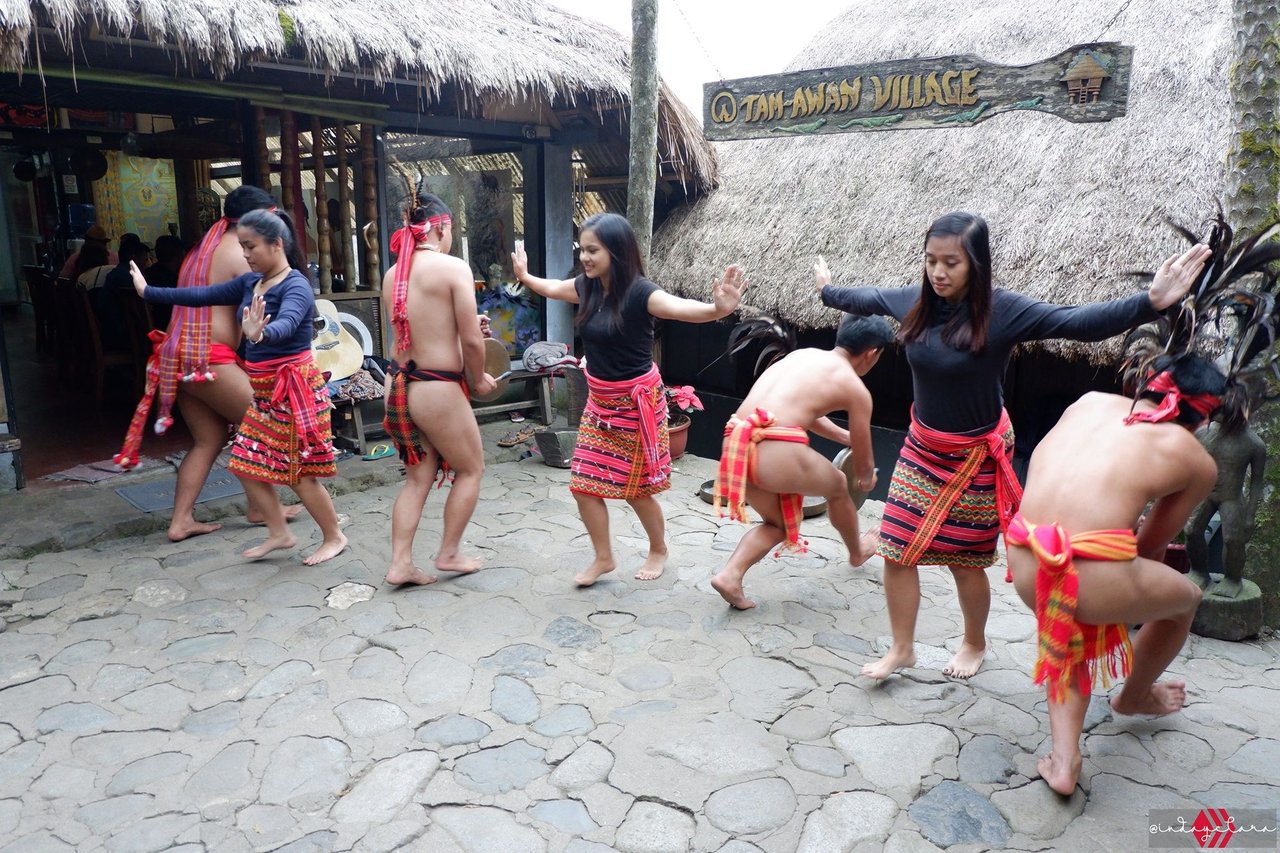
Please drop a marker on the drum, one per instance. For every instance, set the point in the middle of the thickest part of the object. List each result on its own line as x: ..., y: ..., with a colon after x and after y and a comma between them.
x: 844, y: 461
x: 497, y: 361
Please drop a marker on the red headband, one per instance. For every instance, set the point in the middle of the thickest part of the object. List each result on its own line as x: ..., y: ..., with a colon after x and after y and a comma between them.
x: 1204, y: 404
x: 439, y: 221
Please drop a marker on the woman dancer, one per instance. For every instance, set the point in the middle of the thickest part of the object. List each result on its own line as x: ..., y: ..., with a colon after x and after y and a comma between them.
x: 953, y: 489
x: 284, y: 437
x: 622, y: 450
x: 195, y: 363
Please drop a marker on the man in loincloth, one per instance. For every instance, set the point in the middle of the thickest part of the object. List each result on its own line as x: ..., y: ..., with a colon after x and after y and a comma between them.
x: 1075, y: 560
x: 766, y: 459
x: 439, y: 355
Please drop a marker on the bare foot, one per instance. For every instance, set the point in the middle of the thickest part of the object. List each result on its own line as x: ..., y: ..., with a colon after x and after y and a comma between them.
x: 328, y: 549
x: 1163, y: 697
x: 966, y: 661
x: 893, y: 660
x: 411, y: 575
x: 599, y: 566
x: 185, y: 530
x: 273, y: 543
x: 290, y: 513
x: 1060, y: 774
x: 867, y: 544
x: 458, y: 564
x: 730, y: 589
x: 654, y: 566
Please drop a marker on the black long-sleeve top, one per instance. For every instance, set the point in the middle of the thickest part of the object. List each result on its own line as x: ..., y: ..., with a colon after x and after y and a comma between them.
x: 960, y: 392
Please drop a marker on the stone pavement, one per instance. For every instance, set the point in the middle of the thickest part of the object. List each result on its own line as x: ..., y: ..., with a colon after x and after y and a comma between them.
x: 159, y: 696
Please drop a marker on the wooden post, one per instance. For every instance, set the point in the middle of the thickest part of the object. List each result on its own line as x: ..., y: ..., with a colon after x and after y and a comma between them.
x: 644, y: 122
x: 344, y: 211
x: 369, y: 166
x: 288, y: 162
x: 260, y: 148
x: 321, y: 206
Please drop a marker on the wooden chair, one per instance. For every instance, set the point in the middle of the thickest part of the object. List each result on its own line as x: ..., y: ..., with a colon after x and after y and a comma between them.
x: 97, y: 360
x: 40, y: 289
x: 137, y: 319
x: 69, y: 328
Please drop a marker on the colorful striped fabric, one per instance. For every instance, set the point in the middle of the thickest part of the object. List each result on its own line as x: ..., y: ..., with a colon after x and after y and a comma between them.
x: 948, y: 498
x: 1071, y: 653
x: 398, y: 423
x: 738, y: 467
x: 286, y: 434
x: 623, y: 450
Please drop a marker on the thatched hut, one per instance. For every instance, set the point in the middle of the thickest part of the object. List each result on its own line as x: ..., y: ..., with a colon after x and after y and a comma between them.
x: 523, y: 109
x: 1072, y: 207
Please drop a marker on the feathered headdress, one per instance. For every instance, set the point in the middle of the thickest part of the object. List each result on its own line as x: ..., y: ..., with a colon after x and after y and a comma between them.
x: 777, y: 337
x: 1231, y: 311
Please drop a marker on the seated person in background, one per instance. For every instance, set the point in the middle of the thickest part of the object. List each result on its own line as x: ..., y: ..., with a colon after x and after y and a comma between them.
x: 92, y: 266
x: 766, y: 459
x: 170, y: 252
x: 1075, y: 560
x: 73, y: 267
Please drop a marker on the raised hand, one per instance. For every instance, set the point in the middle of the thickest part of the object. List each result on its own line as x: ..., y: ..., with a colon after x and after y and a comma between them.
x: 520, y: 262
x: 727, y: 292
x: 1176, y: 275
x: 255, y: 318
x: 139, y: 283
x: 821, y: 274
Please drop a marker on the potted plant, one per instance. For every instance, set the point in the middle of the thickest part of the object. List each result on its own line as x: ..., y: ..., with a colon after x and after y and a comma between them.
x: 681, y: 399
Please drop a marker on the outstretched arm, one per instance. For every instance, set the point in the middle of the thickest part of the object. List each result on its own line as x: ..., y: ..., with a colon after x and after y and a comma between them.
x: 226, y: 293
x: 726, y: 293
x: 863, y: 301
x: 547, y: 287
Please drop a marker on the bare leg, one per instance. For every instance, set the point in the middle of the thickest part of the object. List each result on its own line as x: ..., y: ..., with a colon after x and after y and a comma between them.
x: 844, y: 518
x: 405, y: 515
x: 315, y: 497
x: 650, y: 513
x: 1061, y: 767
x: 752, y: 547
x: 449, y: 428
x: 209, y: 433
x: 278, y: 535
x: 974, y: 591
x: 595, y: 516
x: 902, y: 594
x: 1155, y: 646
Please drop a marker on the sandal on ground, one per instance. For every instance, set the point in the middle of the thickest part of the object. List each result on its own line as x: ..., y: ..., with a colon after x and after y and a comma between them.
x: 523, y: 434
x: 379, y: 451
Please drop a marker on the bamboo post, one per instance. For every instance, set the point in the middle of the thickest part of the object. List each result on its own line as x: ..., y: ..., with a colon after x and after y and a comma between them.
x: 643, y: 177
x: 321, y: 206
x: 260, y: 147
x: 369, y: 166
x: 288, y: 162
x: 344, y: 211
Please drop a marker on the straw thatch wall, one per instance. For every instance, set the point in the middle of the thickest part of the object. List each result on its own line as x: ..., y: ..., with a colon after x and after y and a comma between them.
x: 1071, y: 206
x: 510, y: 50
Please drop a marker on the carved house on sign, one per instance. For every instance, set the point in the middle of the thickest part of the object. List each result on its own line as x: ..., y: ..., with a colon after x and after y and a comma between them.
x: 1084, y: 78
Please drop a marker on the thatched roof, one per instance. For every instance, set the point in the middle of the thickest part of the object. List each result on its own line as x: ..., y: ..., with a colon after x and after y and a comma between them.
x: 479, y: 51
x: 1072, y: 207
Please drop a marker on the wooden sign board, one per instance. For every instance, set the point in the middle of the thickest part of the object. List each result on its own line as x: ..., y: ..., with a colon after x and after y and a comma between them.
x: 1087, y: 82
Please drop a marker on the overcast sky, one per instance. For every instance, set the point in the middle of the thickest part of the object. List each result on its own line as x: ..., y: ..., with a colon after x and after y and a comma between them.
x: 715, y: 38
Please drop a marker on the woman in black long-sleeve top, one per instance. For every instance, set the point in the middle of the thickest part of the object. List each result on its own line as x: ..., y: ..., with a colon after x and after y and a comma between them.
x: 953, y: 488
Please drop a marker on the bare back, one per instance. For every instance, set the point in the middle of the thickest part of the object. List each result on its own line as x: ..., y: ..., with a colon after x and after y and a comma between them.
x: 227, y: 263
x: 442, y: 311
x: 1094, y: 472
x: 806, y: 385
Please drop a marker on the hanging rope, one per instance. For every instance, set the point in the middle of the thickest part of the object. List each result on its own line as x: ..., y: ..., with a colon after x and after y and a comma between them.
x: 689, y: 26
x: 1110, y: 21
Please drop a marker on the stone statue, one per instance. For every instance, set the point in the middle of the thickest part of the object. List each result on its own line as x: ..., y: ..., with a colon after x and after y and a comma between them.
x: 1237, y: 453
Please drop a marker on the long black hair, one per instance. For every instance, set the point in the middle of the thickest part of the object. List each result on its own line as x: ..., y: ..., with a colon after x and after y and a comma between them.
x: 967, y: 330
x: 276, y: 226
x: 615, y: 234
